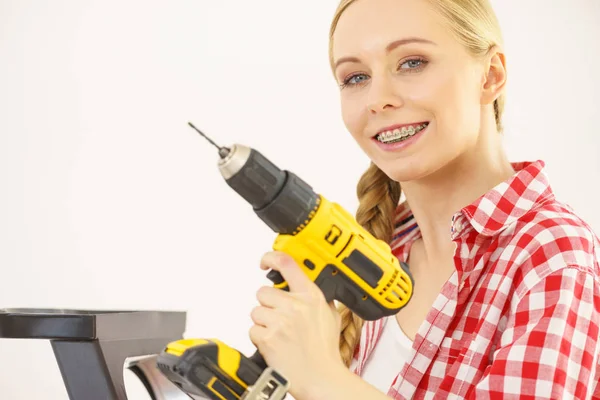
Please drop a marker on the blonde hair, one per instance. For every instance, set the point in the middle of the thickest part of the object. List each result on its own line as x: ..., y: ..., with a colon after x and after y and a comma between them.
x: 474, y: 24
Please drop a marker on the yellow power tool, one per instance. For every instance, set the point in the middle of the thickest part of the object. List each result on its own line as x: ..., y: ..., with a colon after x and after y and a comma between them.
x: 344, y: 260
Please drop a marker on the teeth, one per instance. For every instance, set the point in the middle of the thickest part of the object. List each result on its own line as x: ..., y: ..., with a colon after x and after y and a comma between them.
x: 400, y: 134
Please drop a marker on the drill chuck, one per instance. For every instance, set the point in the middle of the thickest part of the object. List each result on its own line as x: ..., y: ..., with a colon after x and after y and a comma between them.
x: 280, y: 198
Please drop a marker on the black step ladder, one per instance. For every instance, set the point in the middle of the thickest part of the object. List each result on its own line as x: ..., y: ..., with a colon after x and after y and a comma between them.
x: 94, y: 347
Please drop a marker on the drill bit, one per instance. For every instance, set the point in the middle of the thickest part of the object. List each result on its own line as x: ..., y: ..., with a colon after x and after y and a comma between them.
x: 223, y: 151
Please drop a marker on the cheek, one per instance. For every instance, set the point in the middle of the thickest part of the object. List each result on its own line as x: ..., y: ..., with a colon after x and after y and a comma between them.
x: 353, y: 114
x: 450, y: 99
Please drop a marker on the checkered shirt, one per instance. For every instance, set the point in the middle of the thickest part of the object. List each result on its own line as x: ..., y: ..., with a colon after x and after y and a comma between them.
x: 520, y: 316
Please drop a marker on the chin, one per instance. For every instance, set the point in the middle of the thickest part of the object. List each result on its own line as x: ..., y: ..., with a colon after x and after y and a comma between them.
x: 404, y: 172
x: 429, y: 164
x: 416, y: 168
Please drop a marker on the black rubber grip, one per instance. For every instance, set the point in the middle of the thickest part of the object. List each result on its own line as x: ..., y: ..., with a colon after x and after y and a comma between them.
x: 281, y: 199
x: 364, y: 267
x: 336, y: 285
x: 258, y: 359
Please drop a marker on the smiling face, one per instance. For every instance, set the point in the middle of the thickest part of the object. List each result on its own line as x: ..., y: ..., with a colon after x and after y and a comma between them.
x: 411, y: 94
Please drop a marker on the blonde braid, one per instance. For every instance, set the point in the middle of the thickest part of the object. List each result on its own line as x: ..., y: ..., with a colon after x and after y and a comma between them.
x: 378, y: 198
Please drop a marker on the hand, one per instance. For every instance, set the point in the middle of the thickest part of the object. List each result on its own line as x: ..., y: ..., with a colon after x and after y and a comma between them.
x: 297, y: 332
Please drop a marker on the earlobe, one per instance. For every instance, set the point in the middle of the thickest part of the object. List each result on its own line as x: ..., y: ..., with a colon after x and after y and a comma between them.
x: 495, y: 80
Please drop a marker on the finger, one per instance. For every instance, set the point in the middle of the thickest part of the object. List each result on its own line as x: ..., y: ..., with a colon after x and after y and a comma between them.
x: 263, y: 316
x: 257, y: 335
x: 272, y: 297
x: 289, y: 270
x: 274, y: 259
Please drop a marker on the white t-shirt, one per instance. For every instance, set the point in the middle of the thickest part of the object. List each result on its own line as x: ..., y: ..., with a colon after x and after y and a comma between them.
x: 388, y: 357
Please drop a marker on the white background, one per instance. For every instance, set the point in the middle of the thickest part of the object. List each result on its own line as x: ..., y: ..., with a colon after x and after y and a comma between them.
x: 109, y: 200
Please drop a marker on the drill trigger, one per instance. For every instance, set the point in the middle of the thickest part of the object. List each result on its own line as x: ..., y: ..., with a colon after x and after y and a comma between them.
x: 275, y: 277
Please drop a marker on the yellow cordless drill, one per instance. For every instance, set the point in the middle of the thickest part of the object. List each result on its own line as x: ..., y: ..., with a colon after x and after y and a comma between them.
x: 343, y: 259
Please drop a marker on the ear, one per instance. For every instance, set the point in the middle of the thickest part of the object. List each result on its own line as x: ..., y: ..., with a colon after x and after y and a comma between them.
x: 494, y: 81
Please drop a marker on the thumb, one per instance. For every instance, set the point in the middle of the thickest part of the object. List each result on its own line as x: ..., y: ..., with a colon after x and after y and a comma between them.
x: 289, y: 269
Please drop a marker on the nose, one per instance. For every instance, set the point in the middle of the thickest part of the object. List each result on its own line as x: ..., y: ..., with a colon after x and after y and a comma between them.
x: 382, y: 96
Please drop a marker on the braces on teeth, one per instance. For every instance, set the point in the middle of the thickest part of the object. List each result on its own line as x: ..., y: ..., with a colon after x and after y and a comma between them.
x: 398, y: 135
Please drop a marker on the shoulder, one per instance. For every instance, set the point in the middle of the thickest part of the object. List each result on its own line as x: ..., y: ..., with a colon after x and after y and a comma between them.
x: 549, y: 240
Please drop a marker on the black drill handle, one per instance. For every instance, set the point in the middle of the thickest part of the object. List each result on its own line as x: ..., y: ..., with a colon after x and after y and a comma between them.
x: 258, y: 359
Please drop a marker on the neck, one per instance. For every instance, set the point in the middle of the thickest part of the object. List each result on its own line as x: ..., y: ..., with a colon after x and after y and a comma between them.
x: 434, y: 200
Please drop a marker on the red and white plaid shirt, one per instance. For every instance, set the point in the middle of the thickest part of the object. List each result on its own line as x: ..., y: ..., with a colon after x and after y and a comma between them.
x: 520, y: 316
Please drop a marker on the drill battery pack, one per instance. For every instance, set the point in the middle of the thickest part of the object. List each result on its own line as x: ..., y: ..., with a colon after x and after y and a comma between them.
x: 208, y: 367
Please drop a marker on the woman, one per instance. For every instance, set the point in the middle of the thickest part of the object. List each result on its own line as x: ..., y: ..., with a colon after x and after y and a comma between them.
x: 506, y: 277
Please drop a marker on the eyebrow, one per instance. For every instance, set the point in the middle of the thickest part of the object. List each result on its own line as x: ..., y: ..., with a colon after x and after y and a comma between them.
x: 388, y: 48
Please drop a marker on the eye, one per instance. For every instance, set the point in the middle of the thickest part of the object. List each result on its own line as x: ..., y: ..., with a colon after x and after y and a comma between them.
x: 412, y: 64
x: 354, y: 79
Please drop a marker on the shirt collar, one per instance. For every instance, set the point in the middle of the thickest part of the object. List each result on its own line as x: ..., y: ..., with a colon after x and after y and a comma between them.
x: 496, y: 209
x: 508, y: 201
